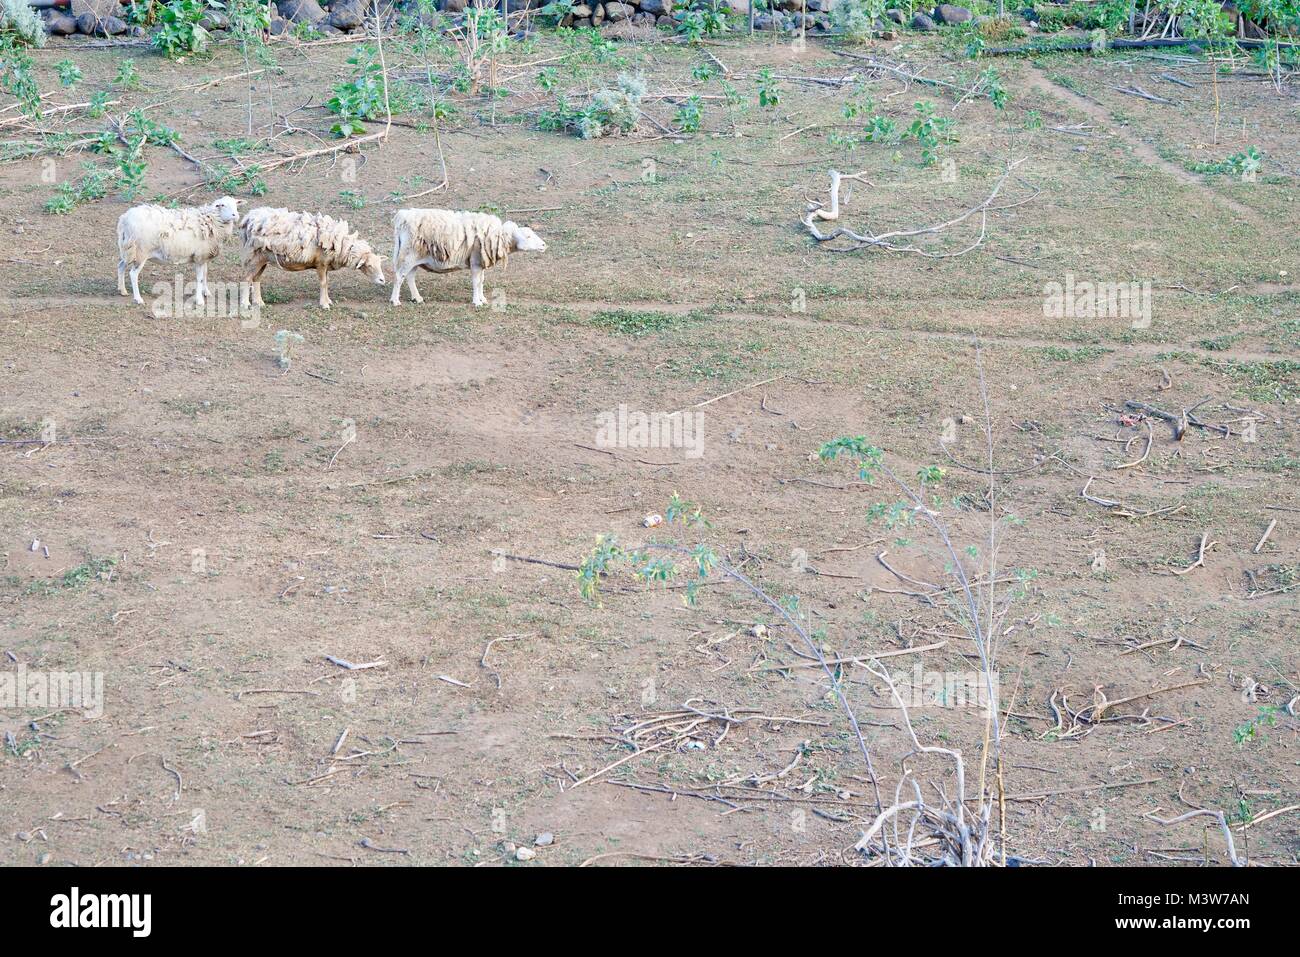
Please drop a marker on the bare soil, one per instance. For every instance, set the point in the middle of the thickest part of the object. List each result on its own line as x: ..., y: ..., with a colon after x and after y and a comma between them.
x: 212, y: 534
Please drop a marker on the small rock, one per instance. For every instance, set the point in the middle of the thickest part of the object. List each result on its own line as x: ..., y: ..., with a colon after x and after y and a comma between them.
x: 658, y: 7
x: 525, y: 854
x: 545, y: 839
x: 896, y: 16
x: 923, y: 23
x: 43, y: 859
x: 967, y: 420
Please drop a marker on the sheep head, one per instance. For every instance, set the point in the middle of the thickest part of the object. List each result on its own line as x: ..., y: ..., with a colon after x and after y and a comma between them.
x: 523, y: 239
x: 372, y: 264
x: 227, y: 208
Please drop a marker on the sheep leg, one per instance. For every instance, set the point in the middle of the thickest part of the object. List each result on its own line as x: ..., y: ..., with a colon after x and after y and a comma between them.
x: 135, y: 283
x: 410, y: 284
x: 200, y: 283
x: 324, y: 274
x: 396, y: 298
x: 121, y: 277
x: 253, y: 283
x: 476, y: 274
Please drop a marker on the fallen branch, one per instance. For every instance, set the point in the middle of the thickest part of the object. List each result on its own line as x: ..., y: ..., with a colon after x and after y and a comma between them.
x: 886, y: 240
x: 1205, y: 812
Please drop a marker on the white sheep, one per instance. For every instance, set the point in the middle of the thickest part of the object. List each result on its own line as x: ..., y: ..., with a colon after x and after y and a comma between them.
x: 443, y: 240
x: 192, y: 234
x: 298, y: 241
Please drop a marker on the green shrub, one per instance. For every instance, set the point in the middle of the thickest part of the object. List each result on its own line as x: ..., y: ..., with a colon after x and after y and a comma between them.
x: 19, y: 22
x: 180, y: 33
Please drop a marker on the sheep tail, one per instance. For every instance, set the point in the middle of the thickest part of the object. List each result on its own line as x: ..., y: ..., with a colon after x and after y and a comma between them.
x: 125, y: 245
x: 397, y: 238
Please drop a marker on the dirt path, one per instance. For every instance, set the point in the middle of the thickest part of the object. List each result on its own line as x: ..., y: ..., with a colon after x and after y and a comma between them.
x: 979, y: 325
x: 1099, y: 115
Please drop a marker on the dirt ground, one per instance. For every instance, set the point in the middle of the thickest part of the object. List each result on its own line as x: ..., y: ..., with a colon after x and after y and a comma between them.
x: 213, y: 533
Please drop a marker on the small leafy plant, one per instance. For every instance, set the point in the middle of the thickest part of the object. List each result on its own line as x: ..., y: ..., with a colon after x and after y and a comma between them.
x: 181, y: 32
x: 69, y: 73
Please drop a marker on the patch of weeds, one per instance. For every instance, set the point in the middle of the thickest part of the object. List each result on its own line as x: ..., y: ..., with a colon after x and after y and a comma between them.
x: 94, y: 184
x: 610, y: 112
x: 1081, y: 354
x: 1251, y: 729
x: 631, y: 322
x: 95, y: 568
x: 1244, y: 164
x: 238, y: 146
x: 1220, y: 343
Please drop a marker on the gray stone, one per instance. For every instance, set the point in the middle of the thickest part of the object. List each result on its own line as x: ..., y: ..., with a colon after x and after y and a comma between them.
x: 765, y: 21
x: 279, y: 26
x: 580, y: 11
x: 598, y: 14
x: 346, y: 14
x: 616, y: 11
x: 659, y: 8
x: 581, y: 22
x: 452, y: 6
x: 100, y: 8
x: 923, y: 23
x: 896, y: 16
x: 60, y: 24
x: 300, y: 11
x: 948, y: 13
x: 213, y: 20
x: 664, y: 20
x: 643, y: 19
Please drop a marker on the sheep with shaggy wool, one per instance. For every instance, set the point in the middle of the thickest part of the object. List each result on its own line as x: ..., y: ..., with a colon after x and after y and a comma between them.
x: 297, y: 241
x: 443, y: 240
x: 192, y: 234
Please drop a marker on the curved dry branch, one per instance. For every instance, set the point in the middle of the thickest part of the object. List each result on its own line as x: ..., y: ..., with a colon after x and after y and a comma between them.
x: 887, y: 240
